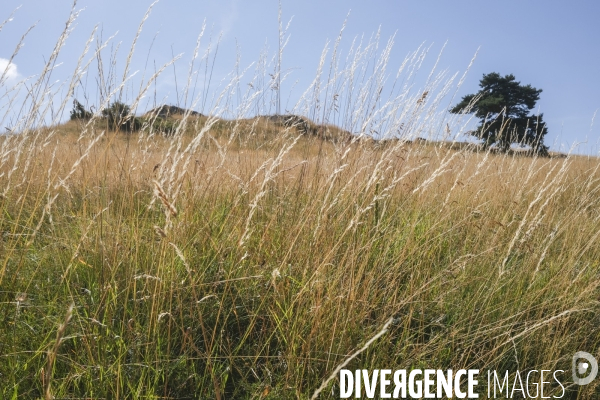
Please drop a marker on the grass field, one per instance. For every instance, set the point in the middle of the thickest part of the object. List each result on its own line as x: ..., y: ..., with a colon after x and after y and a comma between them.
x: 243, y: 258
x: 142, y: 266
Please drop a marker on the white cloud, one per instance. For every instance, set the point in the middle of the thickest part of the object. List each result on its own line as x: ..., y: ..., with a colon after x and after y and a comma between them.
x: 229, y: 21
x: 11, y: 72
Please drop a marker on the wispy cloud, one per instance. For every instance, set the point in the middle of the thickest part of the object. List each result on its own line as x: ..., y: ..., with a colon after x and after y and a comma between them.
x: 8, y: 69
x: 229, y: 20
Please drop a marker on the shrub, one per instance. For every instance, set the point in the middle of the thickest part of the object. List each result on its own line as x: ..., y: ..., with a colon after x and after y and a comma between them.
x: 120, y: 118
x: 79, y: 111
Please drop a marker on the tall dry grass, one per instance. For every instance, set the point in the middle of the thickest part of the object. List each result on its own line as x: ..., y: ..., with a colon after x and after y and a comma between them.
x: 240, y: 258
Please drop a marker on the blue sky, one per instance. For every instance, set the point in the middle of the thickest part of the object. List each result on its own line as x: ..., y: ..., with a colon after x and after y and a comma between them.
x: 550, y: 44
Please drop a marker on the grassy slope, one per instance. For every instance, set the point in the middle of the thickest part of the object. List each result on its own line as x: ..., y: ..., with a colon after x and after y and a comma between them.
x: 252, y: 269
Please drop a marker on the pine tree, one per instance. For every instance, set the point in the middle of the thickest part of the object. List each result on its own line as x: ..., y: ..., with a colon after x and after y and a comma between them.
x: 502, y: 106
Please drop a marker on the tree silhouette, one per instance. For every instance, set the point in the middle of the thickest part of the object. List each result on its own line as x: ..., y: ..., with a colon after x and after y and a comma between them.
x: 119, y: 117
x: 79, y: 111
x: 503, y: 106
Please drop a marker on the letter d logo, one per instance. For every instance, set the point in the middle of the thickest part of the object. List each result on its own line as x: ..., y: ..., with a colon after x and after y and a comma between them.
x: 590, y: 365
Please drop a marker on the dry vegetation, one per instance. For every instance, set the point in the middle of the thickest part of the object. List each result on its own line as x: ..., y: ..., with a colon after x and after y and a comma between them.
x: 244, y: 258
x: 249, y: 268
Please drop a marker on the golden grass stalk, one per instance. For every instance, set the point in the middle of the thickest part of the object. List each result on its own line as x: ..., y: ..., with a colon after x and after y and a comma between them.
x: 170, y: 209
x: 337, y: 369
x: 51, y: 356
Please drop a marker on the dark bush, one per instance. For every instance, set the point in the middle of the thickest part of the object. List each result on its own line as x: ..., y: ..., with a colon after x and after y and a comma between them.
x: 119, y: 118
x: 79, y: 111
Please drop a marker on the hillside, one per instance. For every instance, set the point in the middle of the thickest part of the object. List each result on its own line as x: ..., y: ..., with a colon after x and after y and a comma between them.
x: 247, y: 259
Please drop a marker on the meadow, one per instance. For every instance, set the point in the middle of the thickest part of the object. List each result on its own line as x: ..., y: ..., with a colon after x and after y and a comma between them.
x: 241, y: 257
